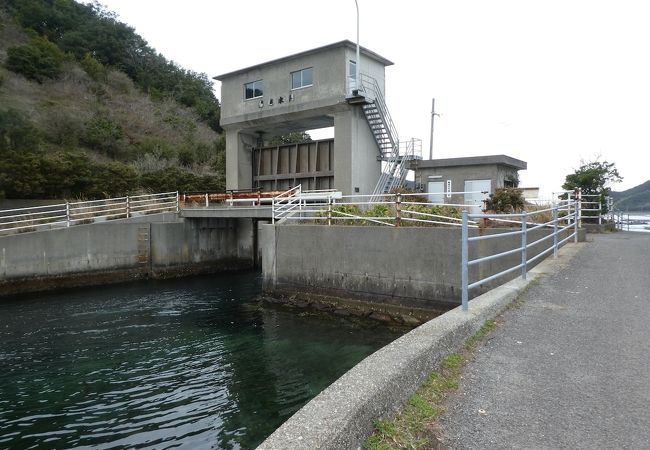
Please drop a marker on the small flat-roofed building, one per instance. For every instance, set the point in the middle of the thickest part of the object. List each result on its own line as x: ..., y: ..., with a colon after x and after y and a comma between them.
x: 475, y: 176
x: 308, y: 90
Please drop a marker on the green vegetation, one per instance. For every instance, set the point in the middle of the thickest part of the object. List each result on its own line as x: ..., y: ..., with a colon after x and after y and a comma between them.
x: 480, y: 334
x: 89, y: 110
x: 505, y: 200
x: 294, y: 137
x: 593, y: 178
x: 413, y: 426
x: 38, y: 60
x: 635, y: 199
x: 388, y: 212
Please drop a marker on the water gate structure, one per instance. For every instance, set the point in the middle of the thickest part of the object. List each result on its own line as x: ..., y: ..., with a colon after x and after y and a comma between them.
x: 318, y: 88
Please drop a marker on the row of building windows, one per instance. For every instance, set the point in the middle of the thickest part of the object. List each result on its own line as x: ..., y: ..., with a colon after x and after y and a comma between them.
x: 299, y: 79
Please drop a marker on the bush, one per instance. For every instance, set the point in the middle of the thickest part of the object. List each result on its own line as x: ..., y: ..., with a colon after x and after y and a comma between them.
x: 93, y: 68
x: 17, y: 133
x: 38, y: 60
x: 175, y: 179
x: 505, y: 200
x: 104, y: 135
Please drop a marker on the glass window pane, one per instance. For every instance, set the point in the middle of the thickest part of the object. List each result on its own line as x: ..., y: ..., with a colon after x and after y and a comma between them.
x: 295, y: 80
x: 352, y: 69
x: 259, y: 88
x: 248, y: 87
x: 308, y: 77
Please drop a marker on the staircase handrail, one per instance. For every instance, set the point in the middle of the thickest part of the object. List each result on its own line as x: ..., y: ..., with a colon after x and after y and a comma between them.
x: 370, y: 85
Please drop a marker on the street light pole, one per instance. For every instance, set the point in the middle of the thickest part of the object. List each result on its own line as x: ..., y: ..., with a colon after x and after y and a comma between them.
x: 358, y: 61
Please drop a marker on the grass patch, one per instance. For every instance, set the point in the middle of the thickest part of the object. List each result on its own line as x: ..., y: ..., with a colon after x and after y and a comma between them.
x: 413, y: 426
x: 480, y: 334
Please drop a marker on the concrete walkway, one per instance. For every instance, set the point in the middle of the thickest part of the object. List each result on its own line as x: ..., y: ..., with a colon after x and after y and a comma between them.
x: 570, y: 368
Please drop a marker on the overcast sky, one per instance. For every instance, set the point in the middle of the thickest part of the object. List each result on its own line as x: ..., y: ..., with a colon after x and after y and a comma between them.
x: 550, y: 82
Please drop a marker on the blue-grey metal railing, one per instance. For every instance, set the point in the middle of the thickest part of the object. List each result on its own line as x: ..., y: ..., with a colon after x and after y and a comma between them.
x: 557, y: 226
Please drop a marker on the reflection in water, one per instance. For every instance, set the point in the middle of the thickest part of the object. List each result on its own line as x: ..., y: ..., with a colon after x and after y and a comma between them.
x: 190, y: 363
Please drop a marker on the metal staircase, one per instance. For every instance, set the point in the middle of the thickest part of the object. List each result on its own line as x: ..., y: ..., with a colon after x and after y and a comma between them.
x: 395, y: 155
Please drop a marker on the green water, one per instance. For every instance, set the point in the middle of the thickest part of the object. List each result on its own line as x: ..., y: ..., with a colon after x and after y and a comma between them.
x: 190, y: 363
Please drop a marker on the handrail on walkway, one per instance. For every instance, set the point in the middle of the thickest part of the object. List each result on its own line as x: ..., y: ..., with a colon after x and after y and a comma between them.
x: 566, y: 217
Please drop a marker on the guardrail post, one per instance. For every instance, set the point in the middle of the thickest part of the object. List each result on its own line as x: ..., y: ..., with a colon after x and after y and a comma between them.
x: 524, y: 236
x: 464, y: 260
x: 575, y: 221
x: 329, y: 211
x: 207, y: 200
x: 128, y: 207
x: 398, y: 209
x: 178, y: 203
x: 554, y: 232
x: 273, y: 210
x: 67, y: 214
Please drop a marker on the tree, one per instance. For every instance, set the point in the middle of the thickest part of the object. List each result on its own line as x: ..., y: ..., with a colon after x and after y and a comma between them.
x: 295, y: 137
x: 505, y: 200
x: 38, y: 60
x: 594, y: 178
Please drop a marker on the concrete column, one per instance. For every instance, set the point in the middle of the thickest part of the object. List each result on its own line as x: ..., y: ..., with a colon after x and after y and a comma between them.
x: 356, y: 152
x: 239, y: 161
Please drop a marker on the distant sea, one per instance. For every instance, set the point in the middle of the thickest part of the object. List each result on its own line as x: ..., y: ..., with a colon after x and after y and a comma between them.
x: 642, y: 219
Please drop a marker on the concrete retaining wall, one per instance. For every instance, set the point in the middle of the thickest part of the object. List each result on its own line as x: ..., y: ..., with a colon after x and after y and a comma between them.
x: 341, y: 416
x: 411, y: 266
x: 117, y: 251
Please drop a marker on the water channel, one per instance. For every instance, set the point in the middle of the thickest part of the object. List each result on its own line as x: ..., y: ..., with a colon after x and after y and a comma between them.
x: 188, y: 363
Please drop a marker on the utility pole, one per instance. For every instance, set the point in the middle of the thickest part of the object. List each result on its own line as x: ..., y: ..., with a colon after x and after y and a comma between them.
x: 433, y: 115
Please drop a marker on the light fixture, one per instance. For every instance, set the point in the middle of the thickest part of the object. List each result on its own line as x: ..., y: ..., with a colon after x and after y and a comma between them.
x: 291, y: 97
x: 271, y: 102
x: 261, y: 104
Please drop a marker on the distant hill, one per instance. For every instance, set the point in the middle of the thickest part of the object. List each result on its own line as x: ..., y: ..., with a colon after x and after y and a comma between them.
x: 634, y: 199
x: 89, y: 110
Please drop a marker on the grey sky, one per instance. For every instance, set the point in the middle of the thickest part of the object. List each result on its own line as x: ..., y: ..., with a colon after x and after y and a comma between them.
x: 550, y: 82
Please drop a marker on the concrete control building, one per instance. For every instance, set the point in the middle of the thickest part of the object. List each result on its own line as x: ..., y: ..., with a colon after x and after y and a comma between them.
x: 309, y: 90
x: 469, y: 176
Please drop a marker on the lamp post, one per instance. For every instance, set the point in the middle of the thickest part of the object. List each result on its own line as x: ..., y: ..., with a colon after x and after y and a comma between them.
x: 358, y: 61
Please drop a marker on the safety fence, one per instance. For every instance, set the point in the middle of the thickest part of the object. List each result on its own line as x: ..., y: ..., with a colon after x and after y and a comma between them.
x: 330, y: 207
x: 560, y: 219
x: 83, y: 212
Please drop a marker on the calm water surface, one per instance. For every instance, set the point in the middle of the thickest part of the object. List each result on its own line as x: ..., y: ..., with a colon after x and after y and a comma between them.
x: 190, y: 363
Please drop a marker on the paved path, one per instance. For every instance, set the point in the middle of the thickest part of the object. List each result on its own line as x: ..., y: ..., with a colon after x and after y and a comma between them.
x: 570, y: 368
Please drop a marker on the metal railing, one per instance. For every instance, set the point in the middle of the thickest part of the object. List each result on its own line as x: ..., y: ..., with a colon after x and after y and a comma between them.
x: 75, y: 213
x: 232, y: 197
x: 565, y: 217
x: 370, y: 87
x: 331, y: 207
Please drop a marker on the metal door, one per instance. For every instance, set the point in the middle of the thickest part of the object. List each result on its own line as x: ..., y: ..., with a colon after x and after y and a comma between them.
x: 476, y: 191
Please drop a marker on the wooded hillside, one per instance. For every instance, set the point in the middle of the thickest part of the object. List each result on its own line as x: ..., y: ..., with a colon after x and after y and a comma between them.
x: 634, y: 199
x: 89, y: 110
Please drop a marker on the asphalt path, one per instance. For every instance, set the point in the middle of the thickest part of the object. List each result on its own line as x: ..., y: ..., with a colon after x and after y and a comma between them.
x: 570, y: 367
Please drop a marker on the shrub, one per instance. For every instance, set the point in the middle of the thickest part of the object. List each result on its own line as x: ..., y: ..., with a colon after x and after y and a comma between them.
x: 16, y: 132
x: 104, y: 135
x: 505, y: 200
x: 93, y: 68
x: 38, y: 60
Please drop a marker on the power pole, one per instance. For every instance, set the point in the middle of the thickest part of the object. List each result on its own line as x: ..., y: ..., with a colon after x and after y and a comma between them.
x: 433, y: 115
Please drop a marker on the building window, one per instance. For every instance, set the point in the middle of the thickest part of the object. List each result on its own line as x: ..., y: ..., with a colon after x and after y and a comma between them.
x: 352, y: 77
x: 302, y: 78
x: 254, y: 89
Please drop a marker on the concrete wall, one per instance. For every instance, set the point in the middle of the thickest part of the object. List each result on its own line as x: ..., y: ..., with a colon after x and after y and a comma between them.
x: 328, y: 84
x: 114, y: 251
x: 409, y: 266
